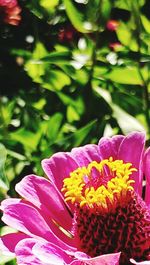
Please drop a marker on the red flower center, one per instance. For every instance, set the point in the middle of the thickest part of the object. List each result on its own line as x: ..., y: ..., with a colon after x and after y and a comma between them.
x: 125, y: 230
x: 109, y: 216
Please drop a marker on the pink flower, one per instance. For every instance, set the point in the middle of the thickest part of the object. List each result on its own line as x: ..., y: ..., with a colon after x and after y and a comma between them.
x: 90, y: 212
x: 112, y: 25
x: 67, y: 34
x: 115, y: 46
x: 10, y: 12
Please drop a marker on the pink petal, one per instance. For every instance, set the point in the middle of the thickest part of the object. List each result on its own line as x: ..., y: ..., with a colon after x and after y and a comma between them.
x: 59, y: 167
x: 108, y: 147
x: 107, y: 259
x: 147, y: 175
x: 9, y: 201
x: 51, y: 254
x: 28, y: 220
x: 146, y: 262
x: 44, y: 195
x: 77, y: 262
x: 8, y: 243
x: 85, y: 154
x: 147, y: 194
x: 131, y: 150
x: 24, y: 253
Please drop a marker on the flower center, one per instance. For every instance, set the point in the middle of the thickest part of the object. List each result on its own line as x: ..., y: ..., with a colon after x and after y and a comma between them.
x: 109, y: 216
x: 99, y: 184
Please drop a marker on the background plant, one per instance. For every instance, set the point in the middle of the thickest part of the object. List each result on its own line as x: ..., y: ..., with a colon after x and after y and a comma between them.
x: 71, y: 71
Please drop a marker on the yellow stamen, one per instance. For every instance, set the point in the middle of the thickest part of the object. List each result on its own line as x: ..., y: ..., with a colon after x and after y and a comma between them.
x: 78, y: 186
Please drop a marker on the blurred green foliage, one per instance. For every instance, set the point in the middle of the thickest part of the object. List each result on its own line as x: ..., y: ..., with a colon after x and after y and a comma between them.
x: 67, y: 79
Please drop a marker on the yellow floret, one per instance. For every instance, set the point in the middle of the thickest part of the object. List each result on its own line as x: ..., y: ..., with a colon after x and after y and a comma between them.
x: 77, y: 190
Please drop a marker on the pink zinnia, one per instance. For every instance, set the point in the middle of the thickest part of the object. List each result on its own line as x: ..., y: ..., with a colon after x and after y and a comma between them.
x: 90, y: 212
x: 10, y: 12
x: 115, y: 46
x: 112, y: 25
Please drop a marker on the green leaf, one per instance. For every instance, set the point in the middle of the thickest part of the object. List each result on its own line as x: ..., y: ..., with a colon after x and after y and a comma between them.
x: 23, y: 53
x: 76, y: 17
x: 97, y: 12
x: 27, y: 138
x: 4, y: 185
x: 7, y: 112
x: 78, y: 137
x: 121, y: 4
x: 39, y: 70
x: 126, y: 122
x: 39, y: 51
x: 146, y: 23
x: 37, y: 9
x: 57, y: 57
x: 104, y: 94
x: 126, y: 5
x: 76, y: 103
x: 35, y: 71
x: 72, y: 114
x: 54, y: 125
x: 125, y: 36
x: 55, y: 80
x: 39, y: 104
x: 49, y: 5
x: 34, y: 68
x: 16, y: 155
x: 81, y: 76
x: 125, y: 75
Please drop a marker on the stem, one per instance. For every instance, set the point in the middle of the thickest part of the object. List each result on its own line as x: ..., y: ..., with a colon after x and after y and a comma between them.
x: 146, y: 100
x: 4, y: 124
x: 93, y: 61
x: 145, y: 82
x: 88, y: 92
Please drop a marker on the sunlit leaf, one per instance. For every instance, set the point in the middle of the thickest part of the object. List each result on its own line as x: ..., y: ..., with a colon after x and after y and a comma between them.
x: 38, y: 68
x: 5, y: 259
x: 27, y: 138
x: 34, y: 68
x: 98, y: 12
x: 121, y: 4
x: 80, y: 76
x: 76, y: 17
x: 16, y: 155
x: 39, y: 104
x: 4, y: 185
x: 76, y: 103
x: 57, y: 57
x: 55, y: 80
x: 126, y: 4
x: 104, y: 94
x: 7, y: 112
x: 126, y: 122
x: 125, y: 36
x: 108, y: 131
x: 49, y: 5
x: 125, y: 75
x: 146, y: 23
x: 79, y: 136
x: 72, y: 114
x: 54, y: 125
